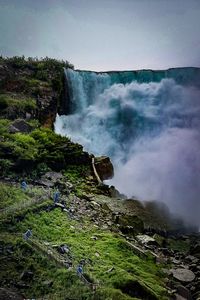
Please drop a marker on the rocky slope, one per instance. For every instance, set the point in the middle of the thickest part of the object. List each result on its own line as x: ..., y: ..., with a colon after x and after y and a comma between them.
x: 126, y: 249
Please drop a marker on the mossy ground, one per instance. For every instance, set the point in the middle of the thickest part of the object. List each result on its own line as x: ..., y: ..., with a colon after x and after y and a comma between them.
x: 108, y: 250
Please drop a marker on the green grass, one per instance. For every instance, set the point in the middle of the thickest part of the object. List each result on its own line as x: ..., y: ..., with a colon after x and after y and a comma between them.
x: 11, y: 195
x: 24, y: 258
x: 55, y: 227
x: 21, y: 104
x: 179, y: 245
x: 107, y: 251
x: 42, y: 146
x: 16, y: 202
x: 4, y: 124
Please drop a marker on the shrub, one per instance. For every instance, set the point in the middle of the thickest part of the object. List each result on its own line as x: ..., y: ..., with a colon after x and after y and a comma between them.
x: 19, y: 104
x: 24, y: 146
x: 5, y: 166
x: 4, y: 124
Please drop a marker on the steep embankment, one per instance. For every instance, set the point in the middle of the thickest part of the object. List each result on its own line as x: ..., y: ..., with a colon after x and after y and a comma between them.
x: 89, y: 225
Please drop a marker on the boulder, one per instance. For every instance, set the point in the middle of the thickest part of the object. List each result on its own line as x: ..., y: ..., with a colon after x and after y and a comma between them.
x: 53, y: 176
x: 114, y: 193
x: 129, y: 224
x: 104, y: 167
x: 192, y: 259
x: 183, y: 275
x: 146, y: 240
x: 20, y: 126
x: 45, y: 182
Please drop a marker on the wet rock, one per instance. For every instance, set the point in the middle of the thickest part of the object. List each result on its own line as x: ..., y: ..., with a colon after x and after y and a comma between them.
x: 114, y: 193
x: 184, y: 292
x: 104, y: 167
x: 183, y: 275
x: 191, y: 258
x: 129, y: 224
x: 146, y: 240
x: 20, y: 126
x: 46, y: 183
x: 53, y: 176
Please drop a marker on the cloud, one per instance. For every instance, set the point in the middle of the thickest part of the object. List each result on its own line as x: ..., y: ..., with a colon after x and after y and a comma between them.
x: 103, y: 35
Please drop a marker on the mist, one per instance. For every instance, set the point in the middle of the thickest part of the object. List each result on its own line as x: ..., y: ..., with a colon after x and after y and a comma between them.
x: 151, y: 131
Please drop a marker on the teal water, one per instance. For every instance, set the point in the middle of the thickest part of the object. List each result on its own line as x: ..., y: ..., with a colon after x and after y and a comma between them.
x: 148, y: 122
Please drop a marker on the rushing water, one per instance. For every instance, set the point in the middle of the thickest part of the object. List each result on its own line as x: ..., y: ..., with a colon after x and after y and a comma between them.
x: 149, y: 124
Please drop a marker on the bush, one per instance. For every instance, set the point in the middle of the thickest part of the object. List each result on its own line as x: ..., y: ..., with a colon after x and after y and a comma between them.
x: 4, y: 124
x: 5, y: 166
x: 18, y: 104
x: 24, y: 146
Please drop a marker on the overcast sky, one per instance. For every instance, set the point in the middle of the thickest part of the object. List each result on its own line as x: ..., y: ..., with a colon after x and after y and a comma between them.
x: 104, y: 34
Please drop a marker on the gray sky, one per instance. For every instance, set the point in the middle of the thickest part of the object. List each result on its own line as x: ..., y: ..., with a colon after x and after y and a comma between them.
x: 104, y: 34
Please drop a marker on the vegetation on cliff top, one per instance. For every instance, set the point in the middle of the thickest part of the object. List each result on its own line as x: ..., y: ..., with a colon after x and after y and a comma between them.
x: 33, y: 86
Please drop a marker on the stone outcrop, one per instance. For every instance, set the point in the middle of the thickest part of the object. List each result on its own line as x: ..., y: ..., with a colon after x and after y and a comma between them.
x: 20, y: 126
x: 104, y: 167
x: 130, y: 224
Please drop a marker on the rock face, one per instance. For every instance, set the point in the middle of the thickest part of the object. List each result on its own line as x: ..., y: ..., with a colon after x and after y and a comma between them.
x: 31, y: 88
x: 104, y: 167
x: 130, y: 224
x: 20, y: 126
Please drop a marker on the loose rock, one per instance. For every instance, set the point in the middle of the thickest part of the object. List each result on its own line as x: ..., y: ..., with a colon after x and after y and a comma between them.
x: 183, y: 275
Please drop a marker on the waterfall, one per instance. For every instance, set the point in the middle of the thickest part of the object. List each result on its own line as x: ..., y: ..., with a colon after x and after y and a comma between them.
x: 148, y: 122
